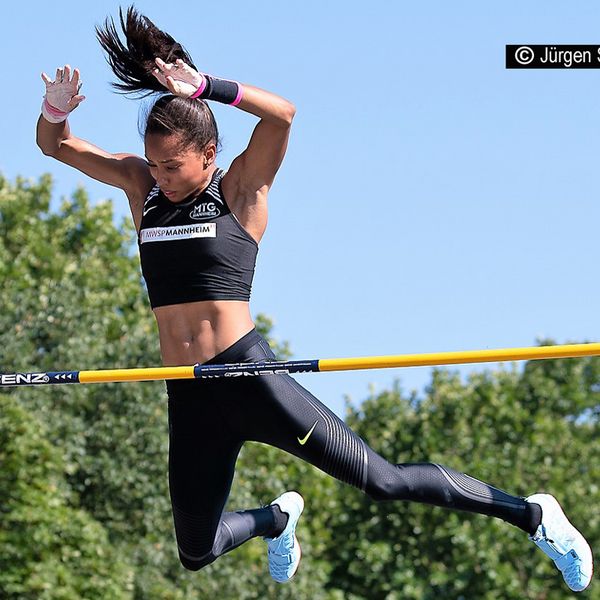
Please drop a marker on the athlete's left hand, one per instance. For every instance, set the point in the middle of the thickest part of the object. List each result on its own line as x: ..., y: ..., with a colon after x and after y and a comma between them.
x: 62, y: 94
x: 178, y: 77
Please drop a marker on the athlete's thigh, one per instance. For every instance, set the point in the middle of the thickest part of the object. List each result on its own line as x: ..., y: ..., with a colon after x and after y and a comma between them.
x: 281, y: 413
x: 202, y: 452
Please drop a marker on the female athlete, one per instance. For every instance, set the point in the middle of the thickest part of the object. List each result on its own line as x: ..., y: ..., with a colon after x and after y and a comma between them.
x: 199, y: 228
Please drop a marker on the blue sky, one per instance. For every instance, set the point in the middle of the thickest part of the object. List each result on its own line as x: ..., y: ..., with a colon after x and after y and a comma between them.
x: 430, y: 199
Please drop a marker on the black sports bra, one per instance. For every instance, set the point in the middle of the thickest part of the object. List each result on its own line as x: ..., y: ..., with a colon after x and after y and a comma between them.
x: 195, y: 250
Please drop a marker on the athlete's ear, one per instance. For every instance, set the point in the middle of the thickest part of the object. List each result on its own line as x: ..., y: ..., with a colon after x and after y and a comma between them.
x: 210, y: 154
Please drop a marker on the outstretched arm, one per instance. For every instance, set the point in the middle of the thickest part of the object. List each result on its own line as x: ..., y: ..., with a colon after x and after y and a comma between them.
x: 124, y: 171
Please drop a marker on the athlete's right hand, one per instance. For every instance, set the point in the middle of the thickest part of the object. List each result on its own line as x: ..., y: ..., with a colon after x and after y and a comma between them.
x: 178, y: 77
x: 62, y: 94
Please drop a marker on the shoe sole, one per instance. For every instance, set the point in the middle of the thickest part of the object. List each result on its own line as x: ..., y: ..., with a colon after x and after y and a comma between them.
x: 297, y: 543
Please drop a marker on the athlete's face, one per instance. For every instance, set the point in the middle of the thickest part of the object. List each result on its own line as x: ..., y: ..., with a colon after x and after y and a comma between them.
x: 178, y: 171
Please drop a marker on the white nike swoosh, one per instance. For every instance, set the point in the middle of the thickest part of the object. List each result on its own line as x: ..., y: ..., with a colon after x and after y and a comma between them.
x: 147, y: 210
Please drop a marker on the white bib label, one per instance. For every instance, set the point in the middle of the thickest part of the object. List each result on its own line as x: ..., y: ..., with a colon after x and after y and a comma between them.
x: 179, y: 232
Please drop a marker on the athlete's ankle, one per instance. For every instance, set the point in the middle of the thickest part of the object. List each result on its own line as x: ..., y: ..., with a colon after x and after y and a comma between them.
x: 534, y: 517
x: 280, y: 521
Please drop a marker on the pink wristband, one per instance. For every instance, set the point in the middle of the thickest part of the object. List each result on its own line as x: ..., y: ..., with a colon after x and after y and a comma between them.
x: 239, y: 96
x: 202, y: 87
x: 52, y: 110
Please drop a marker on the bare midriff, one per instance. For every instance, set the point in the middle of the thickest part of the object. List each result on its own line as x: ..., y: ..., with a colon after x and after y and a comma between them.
x: 195, y: 332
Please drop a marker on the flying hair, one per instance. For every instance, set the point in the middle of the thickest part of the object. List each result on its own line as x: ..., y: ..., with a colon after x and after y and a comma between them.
x: 132, y: 60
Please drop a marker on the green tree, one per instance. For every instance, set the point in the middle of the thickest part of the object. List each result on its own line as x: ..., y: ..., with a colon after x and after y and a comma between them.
x: 48, y: 550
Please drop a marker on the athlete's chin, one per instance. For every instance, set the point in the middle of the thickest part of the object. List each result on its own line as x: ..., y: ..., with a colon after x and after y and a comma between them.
x: 174, y: 197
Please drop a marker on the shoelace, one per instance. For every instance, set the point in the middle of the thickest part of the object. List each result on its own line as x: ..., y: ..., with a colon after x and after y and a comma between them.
x: 286, y: 542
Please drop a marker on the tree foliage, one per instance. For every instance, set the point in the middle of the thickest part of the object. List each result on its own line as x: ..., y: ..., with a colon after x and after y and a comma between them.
x: 83, y: 469
x: 49, y: 548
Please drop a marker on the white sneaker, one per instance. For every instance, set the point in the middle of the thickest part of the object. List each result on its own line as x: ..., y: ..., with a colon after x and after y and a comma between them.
x: 284, y: 551
x: 563, y: 543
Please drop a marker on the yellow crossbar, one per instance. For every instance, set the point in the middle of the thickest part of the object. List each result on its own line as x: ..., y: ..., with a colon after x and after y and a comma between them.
x: 462, y: 357
x: 147, y: 374
x: 300, y: 366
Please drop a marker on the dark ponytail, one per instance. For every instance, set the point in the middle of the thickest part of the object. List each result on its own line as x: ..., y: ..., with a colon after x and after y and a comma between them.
x: 132, y: 62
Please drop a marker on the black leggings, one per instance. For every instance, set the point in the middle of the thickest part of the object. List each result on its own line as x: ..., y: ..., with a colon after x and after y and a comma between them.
x: 209, y: 420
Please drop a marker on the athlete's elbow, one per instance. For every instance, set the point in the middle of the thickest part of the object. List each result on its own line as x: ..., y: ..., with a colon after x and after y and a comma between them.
x: 286, y: 114
x: 46, y: 148
x: 290, y: 113
x: 281, y: 114
x: 46, y: 151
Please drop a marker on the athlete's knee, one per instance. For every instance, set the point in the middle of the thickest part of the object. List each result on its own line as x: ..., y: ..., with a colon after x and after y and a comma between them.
x: 195, y: 564
x: 196, y: 536
x: 385, y: 484
x: 419, y: 482
x: 379, y: 491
